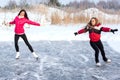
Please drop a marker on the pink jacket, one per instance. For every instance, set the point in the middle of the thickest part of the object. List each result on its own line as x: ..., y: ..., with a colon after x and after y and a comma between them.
x: 19, y: 24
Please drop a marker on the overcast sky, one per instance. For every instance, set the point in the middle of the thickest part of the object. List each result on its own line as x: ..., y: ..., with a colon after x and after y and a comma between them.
x: 4, y: 2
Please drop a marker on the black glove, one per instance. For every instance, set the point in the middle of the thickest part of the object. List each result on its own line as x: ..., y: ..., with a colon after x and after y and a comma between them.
x: 75, y: 33
x: 114, y: 30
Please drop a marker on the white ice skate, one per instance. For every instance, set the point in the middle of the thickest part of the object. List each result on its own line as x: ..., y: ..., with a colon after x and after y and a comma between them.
x: 108, y: 61
x: 98, y: 64
x: 35, y: 55
x: 17, y: 55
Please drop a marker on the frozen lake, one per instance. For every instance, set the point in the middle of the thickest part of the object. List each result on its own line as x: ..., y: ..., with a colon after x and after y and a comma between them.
x: 59, y: 60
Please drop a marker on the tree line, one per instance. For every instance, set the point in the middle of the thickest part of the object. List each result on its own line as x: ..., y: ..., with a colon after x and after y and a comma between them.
x: 104, y: 4
x: 84, y: 4
x: 12, y: 4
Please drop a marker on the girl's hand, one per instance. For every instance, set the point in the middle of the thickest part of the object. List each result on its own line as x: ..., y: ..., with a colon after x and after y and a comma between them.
x: 6, y: 23
x: 75, y: 33
x: 114, y: 30
x: 3, y: 23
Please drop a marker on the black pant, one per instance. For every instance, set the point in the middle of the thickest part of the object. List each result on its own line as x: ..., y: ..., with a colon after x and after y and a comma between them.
x: 23, y: 36
x: 98, y: 46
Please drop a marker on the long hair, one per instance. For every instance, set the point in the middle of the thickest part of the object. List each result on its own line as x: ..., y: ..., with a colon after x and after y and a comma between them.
x: 23, y: 10
x: 89, y: 25
x: 96, y: 20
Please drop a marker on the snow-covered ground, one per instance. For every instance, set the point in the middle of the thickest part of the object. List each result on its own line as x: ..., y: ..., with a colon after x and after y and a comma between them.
x: 94, y: 12
x: 46, y: 18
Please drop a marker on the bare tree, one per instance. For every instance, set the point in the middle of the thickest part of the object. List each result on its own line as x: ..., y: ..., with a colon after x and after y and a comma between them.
x: 82, y: 4
x: 114, y: 4
x: 102, y: 4
x: 23, y: 4
x: 45, y: 1
x: 54, y: 3
x: 11, y: 4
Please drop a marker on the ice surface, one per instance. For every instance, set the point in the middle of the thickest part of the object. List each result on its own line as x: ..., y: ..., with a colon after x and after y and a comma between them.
x: 59, y: 60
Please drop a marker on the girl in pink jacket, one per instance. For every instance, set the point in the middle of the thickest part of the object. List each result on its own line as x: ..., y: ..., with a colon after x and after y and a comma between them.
x: 19, y: 22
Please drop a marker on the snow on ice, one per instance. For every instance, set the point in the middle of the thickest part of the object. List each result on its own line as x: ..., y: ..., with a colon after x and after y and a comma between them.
x: 59, y: 60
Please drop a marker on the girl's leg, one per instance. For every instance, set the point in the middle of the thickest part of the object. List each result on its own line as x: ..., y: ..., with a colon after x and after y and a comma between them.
x: 93, y: 45
x: 26, y: 42
x: 100, y: 46
x: 16, y: 38
x: 29, y: 46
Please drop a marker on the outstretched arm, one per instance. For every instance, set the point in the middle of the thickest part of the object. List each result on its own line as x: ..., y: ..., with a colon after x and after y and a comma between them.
x: 32, y: 22
x: 12, y: 22
x: 105, y: 29
x: 80, y: 31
